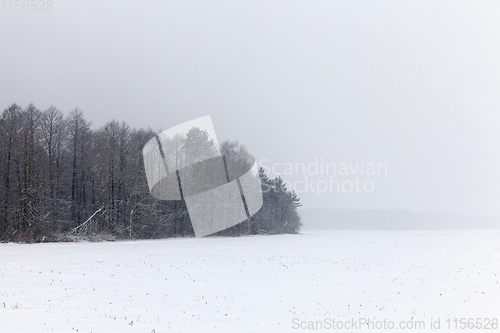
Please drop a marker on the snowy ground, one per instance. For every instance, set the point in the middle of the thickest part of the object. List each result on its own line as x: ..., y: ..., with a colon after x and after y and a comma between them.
x: 250, y: 284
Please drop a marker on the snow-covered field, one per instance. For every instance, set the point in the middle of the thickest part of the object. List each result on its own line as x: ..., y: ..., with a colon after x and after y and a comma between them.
x: 250, y: 284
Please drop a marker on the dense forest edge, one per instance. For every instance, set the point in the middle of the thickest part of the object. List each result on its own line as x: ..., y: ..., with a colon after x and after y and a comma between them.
x: 61, y: 180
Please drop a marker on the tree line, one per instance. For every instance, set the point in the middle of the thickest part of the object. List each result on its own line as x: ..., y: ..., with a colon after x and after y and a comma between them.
x: 61, y: 180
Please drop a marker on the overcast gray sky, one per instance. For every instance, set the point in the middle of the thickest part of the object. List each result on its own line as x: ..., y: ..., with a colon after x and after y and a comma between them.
x: 413, y: 84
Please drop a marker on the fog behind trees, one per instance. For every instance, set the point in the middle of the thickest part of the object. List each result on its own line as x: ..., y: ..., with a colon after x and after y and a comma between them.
x: 373, y: 219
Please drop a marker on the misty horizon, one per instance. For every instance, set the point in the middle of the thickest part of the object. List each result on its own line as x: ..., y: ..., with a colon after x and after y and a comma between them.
x: 412, y: 85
